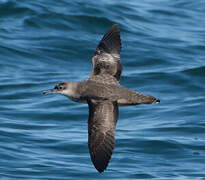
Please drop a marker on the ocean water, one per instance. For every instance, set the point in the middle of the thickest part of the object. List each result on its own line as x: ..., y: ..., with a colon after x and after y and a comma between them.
x: 163, y: 54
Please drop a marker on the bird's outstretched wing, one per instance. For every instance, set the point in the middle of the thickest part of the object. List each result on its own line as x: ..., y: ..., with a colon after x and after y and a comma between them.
x: 102, y: 121
x: 106, y: 61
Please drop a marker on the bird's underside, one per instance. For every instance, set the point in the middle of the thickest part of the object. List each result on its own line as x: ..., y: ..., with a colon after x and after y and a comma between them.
x: 103, y: 93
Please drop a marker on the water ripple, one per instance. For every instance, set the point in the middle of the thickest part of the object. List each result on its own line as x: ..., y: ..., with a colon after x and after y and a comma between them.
x: 45, y: 137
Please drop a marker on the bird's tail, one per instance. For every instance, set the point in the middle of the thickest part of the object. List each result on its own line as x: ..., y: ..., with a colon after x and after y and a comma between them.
x: 136, y: 99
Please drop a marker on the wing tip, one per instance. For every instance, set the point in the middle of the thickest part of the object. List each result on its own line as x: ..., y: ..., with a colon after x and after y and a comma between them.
x: 101, y: 167
x: 100, y: 160
x: 111, y: 42
x: 115, y: 27
x: 100, y: 170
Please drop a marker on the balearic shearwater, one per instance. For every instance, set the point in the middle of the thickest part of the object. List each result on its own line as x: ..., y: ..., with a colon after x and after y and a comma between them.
x: 103, y: 94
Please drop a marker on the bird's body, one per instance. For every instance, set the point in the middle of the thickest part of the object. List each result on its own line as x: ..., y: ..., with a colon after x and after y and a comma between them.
x: 103, y: 93
x: 91, y: 90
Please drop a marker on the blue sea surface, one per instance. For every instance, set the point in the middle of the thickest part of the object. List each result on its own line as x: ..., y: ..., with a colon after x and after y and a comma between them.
x: 163, y: 54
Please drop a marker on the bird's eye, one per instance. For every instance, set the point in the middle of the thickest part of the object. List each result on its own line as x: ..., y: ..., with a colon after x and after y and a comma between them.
x: 60, y: 87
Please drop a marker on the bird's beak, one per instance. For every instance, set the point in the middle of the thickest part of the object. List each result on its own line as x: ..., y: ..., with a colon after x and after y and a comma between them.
x: 50, y: 91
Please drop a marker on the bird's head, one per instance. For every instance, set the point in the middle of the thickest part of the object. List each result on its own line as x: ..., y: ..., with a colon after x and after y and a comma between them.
x: 64, y: 88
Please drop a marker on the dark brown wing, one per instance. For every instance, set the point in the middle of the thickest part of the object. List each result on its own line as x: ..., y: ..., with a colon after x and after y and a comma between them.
x: 106, y: 61
x: 103, y: 116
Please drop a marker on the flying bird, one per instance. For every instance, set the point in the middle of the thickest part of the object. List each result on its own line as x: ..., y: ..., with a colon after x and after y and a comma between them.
x: 103, y: 94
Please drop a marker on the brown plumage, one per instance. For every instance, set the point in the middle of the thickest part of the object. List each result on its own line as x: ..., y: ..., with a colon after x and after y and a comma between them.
x: 103, y: 94
x: 102, y: 121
